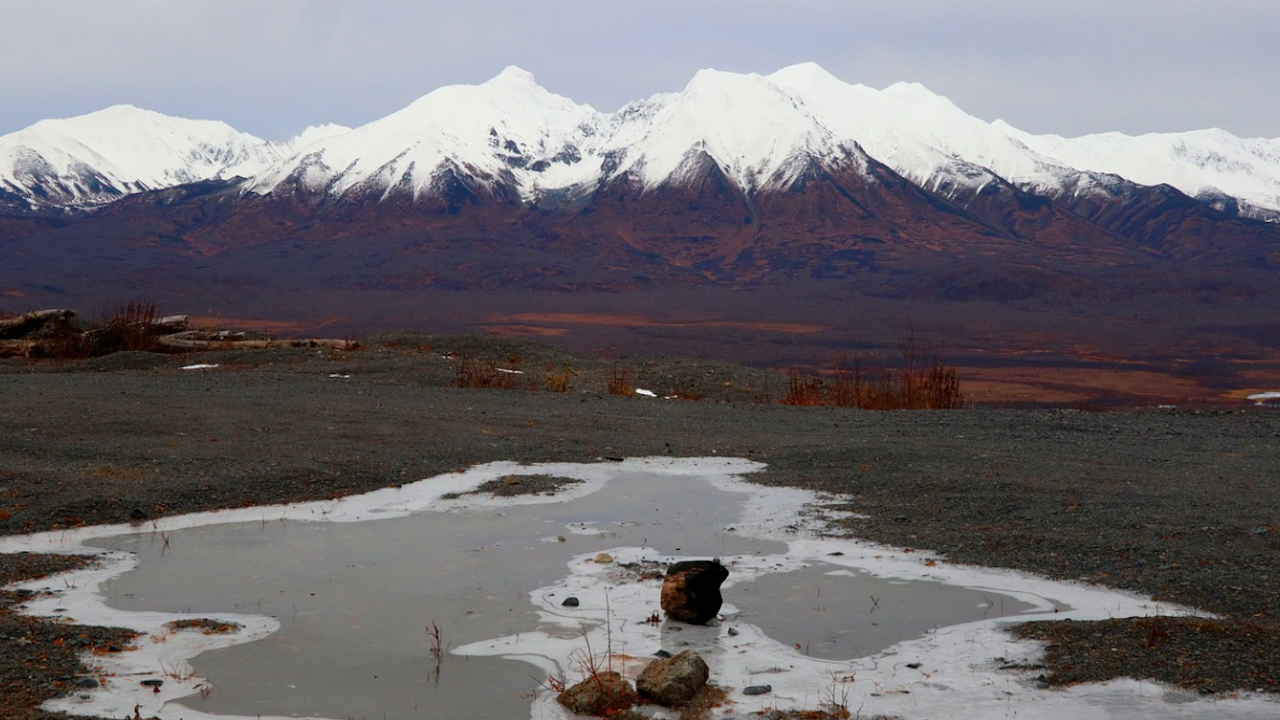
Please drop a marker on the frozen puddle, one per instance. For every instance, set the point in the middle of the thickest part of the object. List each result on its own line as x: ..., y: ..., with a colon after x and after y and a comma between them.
x: 339, y: 608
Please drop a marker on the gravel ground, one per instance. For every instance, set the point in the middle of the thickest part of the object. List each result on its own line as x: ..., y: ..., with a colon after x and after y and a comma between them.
x: 1180, y: 505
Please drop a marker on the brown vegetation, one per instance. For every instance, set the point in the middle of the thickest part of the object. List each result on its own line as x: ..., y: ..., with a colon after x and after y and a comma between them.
x: 620, y: 381
x: 919, y: 383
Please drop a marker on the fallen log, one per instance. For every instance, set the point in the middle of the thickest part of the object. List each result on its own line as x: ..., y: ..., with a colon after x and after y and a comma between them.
x: 28, y: 323
x: 172, y: 323
x: 184, y: 341
x: 16, y: 348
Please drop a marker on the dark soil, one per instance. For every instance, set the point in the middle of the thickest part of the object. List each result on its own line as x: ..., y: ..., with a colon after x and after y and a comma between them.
x: 1206, y: 655
x: 513, y: 485
x: 41, y: 660
x: 1181, y: 505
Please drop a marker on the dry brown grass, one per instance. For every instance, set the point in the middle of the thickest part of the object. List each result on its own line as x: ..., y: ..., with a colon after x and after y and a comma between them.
x: 132, y: 326
x: 922, y: 381
x: 619, y: 382
x: 473, y: 373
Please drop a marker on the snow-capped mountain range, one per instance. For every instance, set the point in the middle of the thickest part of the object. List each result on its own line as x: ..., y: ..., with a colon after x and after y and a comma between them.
x: 521, y: 141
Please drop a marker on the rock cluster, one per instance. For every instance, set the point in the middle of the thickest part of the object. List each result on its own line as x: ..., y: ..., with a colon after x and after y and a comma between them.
x: 670, y: 682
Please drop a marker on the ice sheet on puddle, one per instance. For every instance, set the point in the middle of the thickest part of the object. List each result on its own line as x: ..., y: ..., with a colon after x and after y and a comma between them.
x: 958, y: 673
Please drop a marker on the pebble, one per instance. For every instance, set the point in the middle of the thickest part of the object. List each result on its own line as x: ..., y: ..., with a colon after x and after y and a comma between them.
x: 757, y: 690
x: 570, y: 602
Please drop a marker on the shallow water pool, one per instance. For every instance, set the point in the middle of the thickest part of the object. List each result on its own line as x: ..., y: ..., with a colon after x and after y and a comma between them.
x: 355, y: 600
x: 333, y: 601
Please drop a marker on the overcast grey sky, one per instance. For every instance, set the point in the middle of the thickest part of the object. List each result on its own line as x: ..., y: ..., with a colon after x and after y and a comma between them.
x: 272, y: 67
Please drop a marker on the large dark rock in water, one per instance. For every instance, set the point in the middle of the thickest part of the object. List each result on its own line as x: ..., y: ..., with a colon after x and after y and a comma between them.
x: 691, y: 590
x: 675, y: 680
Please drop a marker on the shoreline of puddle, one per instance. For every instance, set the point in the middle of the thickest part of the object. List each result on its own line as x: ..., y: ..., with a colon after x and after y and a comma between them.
x: 955, y: 667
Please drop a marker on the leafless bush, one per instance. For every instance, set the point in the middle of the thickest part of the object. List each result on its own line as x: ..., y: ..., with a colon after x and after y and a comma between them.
x: 922, y: 381
x: 620, y: 381
x: 130, y: 327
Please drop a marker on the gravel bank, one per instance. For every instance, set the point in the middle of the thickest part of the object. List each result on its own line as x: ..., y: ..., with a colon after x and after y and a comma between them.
x: 1181, y: 505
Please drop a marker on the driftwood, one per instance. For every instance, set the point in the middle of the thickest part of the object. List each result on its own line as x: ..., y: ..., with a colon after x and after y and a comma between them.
x: 30, y: 335
x: 16, y: 348
x: 195, y: 340
x: 28, y: 323
x: 172, y: 323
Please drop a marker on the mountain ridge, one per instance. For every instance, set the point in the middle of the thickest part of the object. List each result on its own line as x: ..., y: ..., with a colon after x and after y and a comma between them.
x: 510, y: 130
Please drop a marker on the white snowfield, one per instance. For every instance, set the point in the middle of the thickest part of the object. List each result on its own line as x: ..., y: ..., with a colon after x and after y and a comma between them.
x: 761, y: 131
x: 955, y: 672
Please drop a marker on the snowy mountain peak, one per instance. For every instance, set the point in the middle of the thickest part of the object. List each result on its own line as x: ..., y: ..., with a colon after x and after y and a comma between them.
x: 804, y: 73
x: 316, y: 133
x: 748, y: 125
x: 513, y: 75
x: 91, y: 159
x: 507, y: 130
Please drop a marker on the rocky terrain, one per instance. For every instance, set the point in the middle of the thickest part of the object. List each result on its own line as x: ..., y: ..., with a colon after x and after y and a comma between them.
x: 1181, y: 504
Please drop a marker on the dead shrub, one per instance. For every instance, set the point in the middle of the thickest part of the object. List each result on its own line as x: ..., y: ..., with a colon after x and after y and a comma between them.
x: 132, y: 327
x: 619, y: 382
x: 922, y: 381
x: 473, y: 373
x: 558, y: 381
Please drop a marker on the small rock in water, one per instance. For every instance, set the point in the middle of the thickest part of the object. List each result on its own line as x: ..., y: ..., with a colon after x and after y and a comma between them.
x: 604, y: 558
x: 662, y: 654
x: 86, y: 682
x: 757, y: 690
x: 733, y: 632
x: 675, y: 680
x: 570, y: 602
x: 604, y: 693
x: 153, y: 682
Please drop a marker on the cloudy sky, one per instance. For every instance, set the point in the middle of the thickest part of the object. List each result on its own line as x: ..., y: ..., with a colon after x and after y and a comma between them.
x: 272, y: 67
